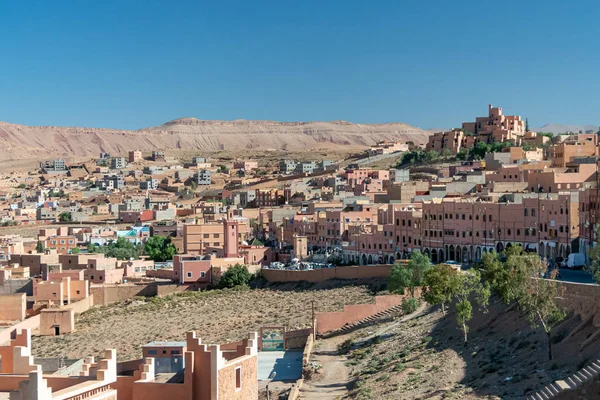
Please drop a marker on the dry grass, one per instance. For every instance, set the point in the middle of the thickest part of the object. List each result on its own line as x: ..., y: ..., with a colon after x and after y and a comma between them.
x: 426, y: 357
x: 218, y: 316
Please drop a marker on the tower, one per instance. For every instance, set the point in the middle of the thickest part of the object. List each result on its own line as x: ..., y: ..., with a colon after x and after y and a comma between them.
x: 230, y: 247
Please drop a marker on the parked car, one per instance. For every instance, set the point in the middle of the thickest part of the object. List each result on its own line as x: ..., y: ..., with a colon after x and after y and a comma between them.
x: 576, y: 261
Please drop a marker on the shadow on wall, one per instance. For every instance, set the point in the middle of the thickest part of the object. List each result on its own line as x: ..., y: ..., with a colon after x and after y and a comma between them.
x: 505, y: 357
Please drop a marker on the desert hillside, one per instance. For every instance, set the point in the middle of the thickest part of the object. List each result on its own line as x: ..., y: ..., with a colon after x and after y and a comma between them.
x: 21, y: 143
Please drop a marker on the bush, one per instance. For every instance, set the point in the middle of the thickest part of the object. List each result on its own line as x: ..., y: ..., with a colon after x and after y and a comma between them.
x: 235, y: 276
x: 410, y: 305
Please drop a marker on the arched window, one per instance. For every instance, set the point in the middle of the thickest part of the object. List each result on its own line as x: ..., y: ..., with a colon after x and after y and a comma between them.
x: 363, y: 245
x: 508, y: 232
x: 561, y: 229
x: 518, y: 232
x: 525, y: 212
x: 409, y: 222
x: 403, y: 222
x: 533, y: 212
x: 397, y: 221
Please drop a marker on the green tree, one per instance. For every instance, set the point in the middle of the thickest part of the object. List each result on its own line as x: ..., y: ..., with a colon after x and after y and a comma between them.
x: 75, y: 250
x: 399, y: 279
x: 469, y: 287
x: 39, y: 247
x: 431, y: 156
x: 463, y: 154
x: 538, y: 299
x: 411, y: 276
x: 121, y: 249
x: 235, y: 276
x: 447, y: 153
x: 480, y: 150
x: 64, y: 217
x: 160, y: 248
x: 526, y: 124
x: 410, y: 305
x: 440, y: 284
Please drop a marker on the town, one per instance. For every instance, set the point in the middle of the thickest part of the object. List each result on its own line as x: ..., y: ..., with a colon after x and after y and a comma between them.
x: 123, y: 229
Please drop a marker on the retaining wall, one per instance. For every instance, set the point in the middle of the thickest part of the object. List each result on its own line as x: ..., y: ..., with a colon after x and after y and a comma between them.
x: 323, y: 274
x: 331, y: 321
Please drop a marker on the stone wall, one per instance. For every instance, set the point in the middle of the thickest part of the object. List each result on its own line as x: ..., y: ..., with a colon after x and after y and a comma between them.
x: 323, y: 274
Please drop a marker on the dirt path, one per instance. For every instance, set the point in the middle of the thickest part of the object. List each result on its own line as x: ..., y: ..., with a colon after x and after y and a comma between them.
x: 333, y: 381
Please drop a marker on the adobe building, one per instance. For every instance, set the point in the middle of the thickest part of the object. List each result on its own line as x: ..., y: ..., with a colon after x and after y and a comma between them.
x: 13, y: 307
x: 300, y: 247
x: 57, y: 321
x: 209, y: 372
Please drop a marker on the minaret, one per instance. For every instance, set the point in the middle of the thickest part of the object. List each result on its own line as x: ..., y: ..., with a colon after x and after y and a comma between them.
x: 230, y: 246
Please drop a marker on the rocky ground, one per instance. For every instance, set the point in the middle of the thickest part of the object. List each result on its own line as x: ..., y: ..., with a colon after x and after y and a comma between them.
x: 218, y: 316
x: 425, y: 358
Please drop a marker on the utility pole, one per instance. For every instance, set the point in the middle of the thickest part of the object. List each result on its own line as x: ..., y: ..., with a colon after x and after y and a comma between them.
x: 313, y: 320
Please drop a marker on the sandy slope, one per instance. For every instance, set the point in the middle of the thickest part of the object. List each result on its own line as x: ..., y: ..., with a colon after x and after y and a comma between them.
x: 19, y: 143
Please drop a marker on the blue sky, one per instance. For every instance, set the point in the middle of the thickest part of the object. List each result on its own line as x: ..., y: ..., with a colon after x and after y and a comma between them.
x: 130, y: 64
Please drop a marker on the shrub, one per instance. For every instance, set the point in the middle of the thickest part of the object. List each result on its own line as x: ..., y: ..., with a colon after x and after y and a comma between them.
x: 235, y: 276
x: 410, y: 305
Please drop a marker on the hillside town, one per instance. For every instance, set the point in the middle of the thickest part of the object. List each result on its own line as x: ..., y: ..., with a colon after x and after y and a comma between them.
x: 78, y: 236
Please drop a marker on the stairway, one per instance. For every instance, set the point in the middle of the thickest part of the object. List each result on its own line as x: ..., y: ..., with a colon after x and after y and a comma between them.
x: 572, y: 382
x: 352, y: 326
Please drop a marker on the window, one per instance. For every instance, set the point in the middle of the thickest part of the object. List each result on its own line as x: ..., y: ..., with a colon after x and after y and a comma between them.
x: 62, y: 242
x: 152, y: 352
x: 175, y: 352
x: 238, y: 378
x: 206, y: 236
x: 77, y: 291
x: 189, y: 274
x: 525, y: 212
x: 533, y: 212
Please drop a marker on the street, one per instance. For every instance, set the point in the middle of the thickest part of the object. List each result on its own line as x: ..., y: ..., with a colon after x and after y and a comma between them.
x: 577, y: 276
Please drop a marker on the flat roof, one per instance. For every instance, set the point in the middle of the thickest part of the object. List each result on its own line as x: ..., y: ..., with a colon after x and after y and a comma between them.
x: 165, y: 344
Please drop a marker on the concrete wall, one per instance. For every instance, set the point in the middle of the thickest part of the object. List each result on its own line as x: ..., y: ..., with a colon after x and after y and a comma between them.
x: 13, y: 307
x: 17, y: 286
x: 331, y: 321
x: 321, y: 275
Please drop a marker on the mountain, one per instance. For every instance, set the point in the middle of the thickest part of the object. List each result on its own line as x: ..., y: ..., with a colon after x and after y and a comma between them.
x: 561, y: 128
x: 20, y: 143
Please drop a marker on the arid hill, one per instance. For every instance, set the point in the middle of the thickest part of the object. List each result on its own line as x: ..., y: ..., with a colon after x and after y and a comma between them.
x: 19, y: 143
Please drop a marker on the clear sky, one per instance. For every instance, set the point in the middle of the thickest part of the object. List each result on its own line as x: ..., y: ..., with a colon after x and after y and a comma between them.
x: 131, y: 64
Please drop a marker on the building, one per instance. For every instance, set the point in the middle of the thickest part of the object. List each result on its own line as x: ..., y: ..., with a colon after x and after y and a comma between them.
x: 149, y: 184
x: 204, y: 177
x: 204, y: 372
x: 118, y: 162
x: 62, y: 244
x: 287, y: 166
x: 563, y: 153
x: 245, y: 165
x: 54, y: 166
x: 113, y: 182
x: 305, y: 167
x: 198, y: 239
x: 453, y: 141
x: 135, y: 156
x: 158, y: 156
x: 496, y: 127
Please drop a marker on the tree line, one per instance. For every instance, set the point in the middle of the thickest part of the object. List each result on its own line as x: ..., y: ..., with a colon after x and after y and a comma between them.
x: 514, y: 276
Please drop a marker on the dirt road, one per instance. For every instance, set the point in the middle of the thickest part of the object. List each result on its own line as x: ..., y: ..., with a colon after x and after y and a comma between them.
x: 333, y: 381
